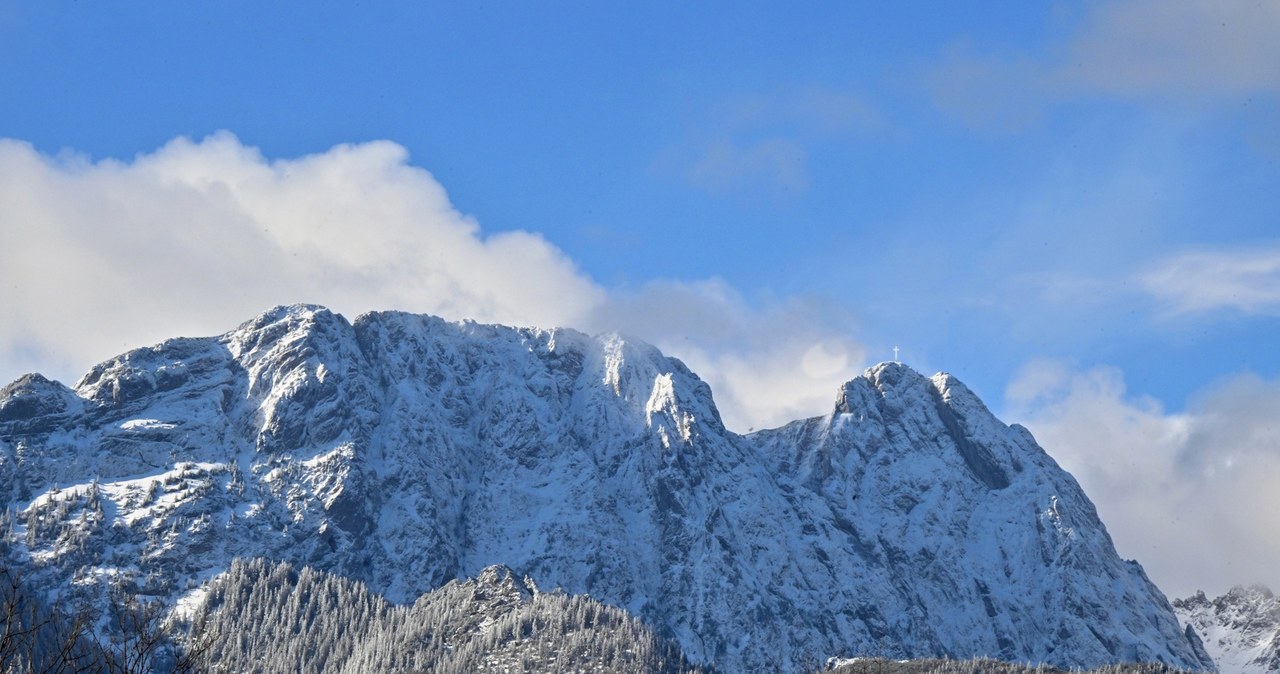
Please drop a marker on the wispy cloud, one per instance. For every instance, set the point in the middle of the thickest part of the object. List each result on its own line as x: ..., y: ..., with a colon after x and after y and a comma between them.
x: 805, y: 110
x: 724, y: 165
x: 763, y: 140
x: 988, y: 92
x: 1192, y: 283
x: 1191, y: 495
x: 1177, y: 48
x: 1182, y: 50
x: 100, y: 257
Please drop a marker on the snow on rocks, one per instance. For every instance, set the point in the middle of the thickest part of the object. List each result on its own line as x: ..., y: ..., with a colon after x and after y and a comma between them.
x: 1240, y: 629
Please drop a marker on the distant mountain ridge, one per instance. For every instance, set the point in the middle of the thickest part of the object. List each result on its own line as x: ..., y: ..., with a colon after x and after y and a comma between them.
x: 1240, y: 629
x: 405, y: 451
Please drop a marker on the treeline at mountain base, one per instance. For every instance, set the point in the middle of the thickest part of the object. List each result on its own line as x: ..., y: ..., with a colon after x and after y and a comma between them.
x: 273, y: 618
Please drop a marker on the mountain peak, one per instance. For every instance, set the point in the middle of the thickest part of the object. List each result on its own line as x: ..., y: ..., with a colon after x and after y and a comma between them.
x: 289, y: 312
x: 33, y: 396
x: 1253, y: 592
x: 896, y: 376
x: 889, y: 374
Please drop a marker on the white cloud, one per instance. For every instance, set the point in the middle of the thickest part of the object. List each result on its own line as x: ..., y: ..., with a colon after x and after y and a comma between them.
x: 196, y: 237
x: 199, y: 236
x: 1191, y: 495
x: 1244, y: 281
x: 769, y: 385
x: 766, y: 365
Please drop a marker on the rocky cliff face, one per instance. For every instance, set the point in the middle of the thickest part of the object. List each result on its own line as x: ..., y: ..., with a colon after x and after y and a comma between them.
x: 404, y: 451
x: 1241, y: 629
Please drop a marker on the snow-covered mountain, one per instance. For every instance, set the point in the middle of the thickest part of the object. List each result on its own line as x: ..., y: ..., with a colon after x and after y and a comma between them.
x: 1240, y: 629
x: 404, y: 452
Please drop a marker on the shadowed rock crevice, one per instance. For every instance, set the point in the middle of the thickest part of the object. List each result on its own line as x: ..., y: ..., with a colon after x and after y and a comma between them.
x: 982, y: 464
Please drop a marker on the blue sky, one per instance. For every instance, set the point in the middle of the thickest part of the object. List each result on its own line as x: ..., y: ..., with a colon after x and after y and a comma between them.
x: 1072, y: 207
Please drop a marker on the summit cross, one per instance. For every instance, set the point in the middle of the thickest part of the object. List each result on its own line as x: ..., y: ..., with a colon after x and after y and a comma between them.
x: 895, y: 354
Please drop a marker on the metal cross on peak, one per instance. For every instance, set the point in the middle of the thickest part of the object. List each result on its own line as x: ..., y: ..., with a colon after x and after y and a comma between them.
x: 895, y: 355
